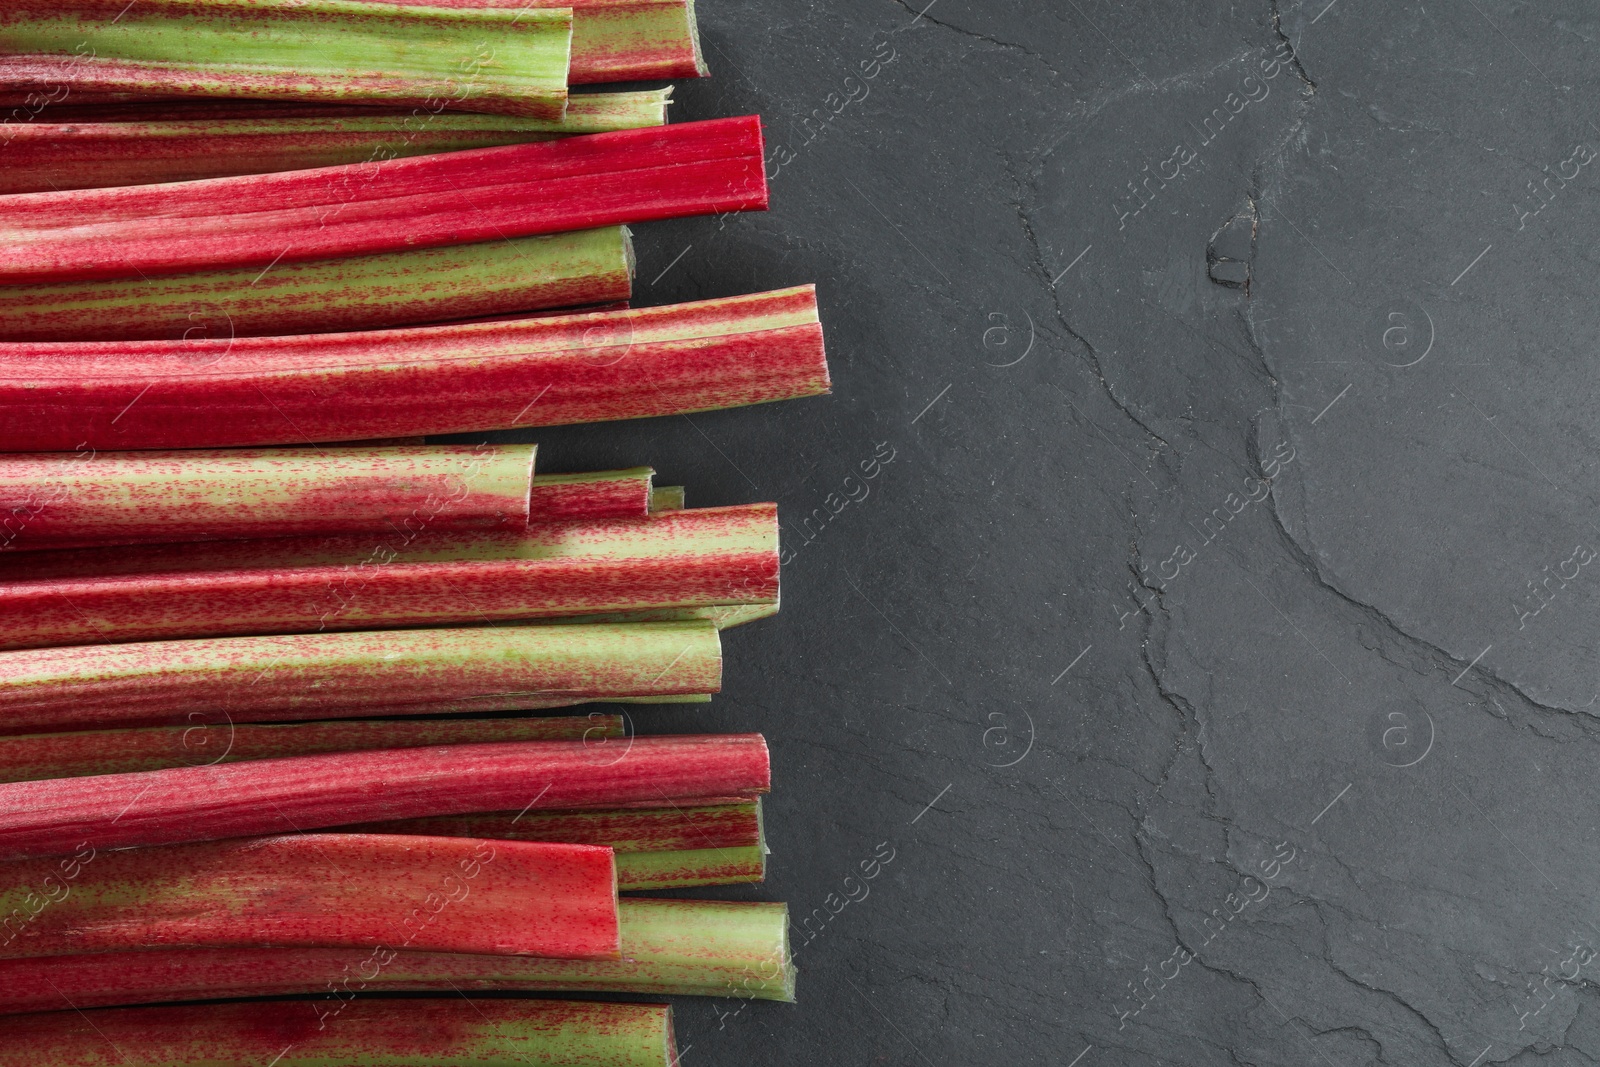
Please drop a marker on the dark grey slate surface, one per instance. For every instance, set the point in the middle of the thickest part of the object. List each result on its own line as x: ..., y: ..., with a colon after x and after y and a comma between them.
x: 1215, y: 644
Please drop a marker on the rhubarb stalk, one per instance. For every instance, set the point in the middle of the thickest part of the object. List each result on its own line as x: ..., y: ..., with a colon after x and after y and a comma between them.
x: 55, y: 817
x: 472, y: 57
x: 89, y: 498
x: 428, y: 380
x: 351, y: 675
x: 367, y: 1033
x: 669, y: 948
x: 675, y: 559
x: 43, y: 156
x: 484, y: 279
x: 667, y: 848
x: 317, y: 890
x: 619, y: 40
x: 212, y: 738
x: 596, y: 495
x: 693, y: 168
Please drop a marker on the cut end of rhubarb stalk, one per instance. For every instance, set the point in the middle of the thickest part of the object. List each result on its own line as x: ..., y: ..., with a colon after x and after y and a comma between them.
x: 667, y: 498
x: 700, y: 67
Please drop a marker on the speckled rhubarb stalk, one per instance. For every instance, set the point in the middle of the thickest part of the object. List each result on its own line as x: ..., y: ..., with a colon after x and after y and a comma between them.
x: 675, y: 559
x: 443, y: 379
x: 367, y: 1033
x: 665, y: 848
x: 669, y: 948
x: 301, y: 793
x: 602, y: 179
x: 484, y: 279
x: 211, y: 738
x: 43, y: 156
x: 473, y: 57
x: 88, y: 498
x: 441, y: 894
x: 351, y: 675
x: 593, y: 495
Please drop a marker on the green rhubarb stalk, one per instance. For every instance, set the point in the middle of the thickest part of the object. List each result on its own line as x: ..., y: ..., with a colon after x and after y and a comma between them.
x: 469, y: 58
x: 691, y: 867
x: 669, y: 948
x: 413, y: 287
x: 316, y: 890
x: 620, y: 40
x: 209, y: 738
x: 91, y: 498
x: 41, y: 156
x: 350, y: 675
x: 667, y: 498
x: 367, y: 1033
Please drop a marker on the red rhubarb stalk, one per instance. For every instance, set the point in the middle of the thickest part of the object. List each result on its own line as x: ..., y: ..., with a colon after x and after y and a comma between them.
x: 428, y: 285
x: 598, y: 495
x: 669, y: 947
x: 364, y: 1033
x: 680, y: 559
x: 44, y: 156
x: 328, y: 890
x: 207, y: 739
x: 665, y: 848
x: 694, y: 168
x: 474, y: 57
x: 53, y: 818
x: 88, y: 498
x: 443, y: 379
x: 351, y: 675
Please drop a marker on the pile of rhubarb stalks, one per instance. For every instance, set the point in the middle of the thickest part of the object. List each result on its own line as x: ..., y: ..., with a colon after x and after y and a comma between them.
x: 293, y: 702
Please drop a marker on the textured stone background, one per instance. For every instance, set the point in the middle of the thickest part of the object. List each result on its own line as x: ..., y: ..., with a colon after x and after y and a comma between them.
x: 1216, y: 651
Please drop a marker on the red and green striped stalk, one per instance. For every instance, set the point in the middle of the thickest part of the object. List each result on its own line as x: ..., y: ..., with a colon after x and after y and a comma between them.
x: 550, y: 371
x: 353, y: 675
x: 669, y: 948
x: 364, y: 1033
x: 702, y: 558
x: 663, y: 848
x: 207, y: 739
x: 317, y: 890
x: 89, y: 498
x: 262, y: 220
x: 480, y: 280
x: 42, y: 156
x: 301, y: 793
x: 469, y: 57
